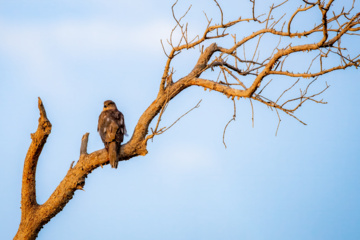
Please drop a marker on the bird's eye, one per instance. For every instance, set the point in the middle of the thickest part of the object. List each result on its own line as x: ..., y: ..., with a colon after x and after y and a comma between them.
x: 104, y: 106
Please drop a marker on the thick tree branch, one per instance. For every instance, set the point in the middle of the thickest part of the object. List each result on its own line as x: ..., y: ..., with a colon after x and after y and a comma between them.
x: 28, y: 192
x: 28, y: 196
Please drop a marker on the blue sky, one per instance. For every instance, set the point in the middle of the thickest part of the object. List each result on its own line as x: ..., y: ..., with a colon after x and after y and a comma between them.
x: 301, y: 184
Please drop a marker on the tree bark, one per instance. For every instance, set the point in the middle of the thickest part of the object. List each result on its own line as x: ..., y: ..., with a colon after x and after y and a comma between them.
x: 30, y: 220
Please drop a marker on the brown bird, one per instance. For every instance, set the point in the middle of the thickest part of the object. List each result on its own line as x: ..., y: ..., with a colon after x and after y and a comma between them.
x: 111, y: 127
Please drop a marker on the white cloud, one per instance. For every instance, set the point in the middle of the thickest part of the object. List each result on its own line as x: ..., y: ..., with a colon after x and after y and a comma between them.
x: 80, y: 36
x: 26, y: 46
x: 41, y: 50
x: 107, y: 36
x: 46, y: 54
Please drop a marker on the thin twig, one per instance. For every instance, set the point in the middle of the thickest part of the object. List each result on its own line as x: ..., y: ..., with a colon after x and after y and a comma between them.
x: 232, y: 119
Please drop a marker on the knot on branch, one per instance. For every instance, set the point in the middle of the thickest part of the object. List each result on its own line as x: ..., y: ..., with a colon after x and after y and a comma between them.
x: 81, y: 183
x: 46, y: 126
x: 141, y: 149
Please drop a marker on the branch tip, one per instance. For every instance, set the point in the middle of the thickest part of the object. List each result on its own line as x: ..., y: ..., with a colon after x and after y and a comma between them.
x: 42, y: 109
x: 84, y: 143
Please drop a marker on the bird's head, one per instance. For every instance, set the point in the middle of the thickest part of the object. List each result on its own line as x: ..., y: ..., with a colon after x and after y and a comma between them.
x: 109, y: 105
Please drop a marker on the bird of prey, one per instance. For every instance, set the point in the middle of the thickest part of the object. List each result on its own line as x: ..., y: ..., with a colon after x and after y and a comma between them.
x: 111, y: 127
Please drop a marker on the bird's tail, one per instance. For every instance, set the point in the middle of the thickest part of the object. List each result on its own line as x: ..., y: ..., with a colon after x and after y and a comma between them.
x: 113, y: 154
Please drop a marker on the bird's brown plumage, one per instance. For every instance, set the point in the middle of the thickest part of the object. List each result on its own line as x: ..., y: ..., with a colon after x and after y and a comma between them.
x: 111, y: 127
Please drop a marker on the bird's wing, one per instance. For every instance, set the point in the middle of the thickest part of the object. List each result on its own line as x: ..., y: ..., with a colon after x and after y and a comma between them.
x: 113, y: 127
x: 108, y: 126
x: 102, y: 126
x: 122, y: 125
